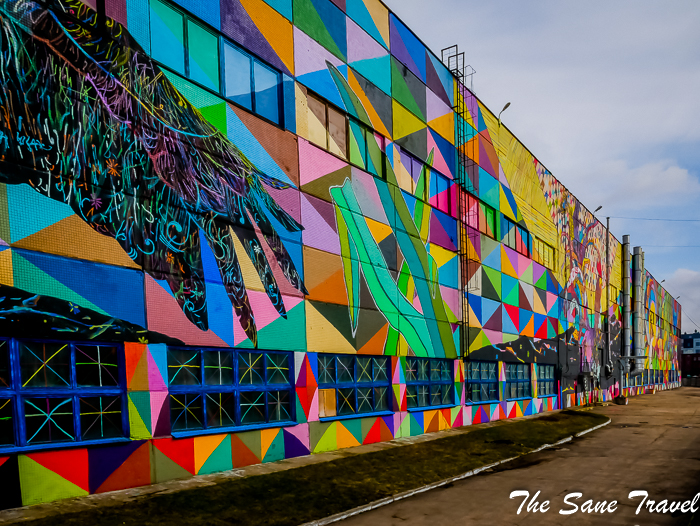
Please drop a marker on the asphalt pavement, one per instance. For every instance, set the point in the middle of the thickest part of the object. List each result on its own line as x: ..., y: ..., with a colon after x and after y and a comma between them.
x: 652, y: 445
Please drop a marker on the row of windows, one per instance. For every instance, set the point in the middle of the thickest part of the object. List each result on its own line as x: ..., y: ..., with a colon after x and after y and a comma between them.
x: 192, y: 50
x: 543, y: 253
x: 648, y: 377
x: 59, y: 392
x: 515, y: 237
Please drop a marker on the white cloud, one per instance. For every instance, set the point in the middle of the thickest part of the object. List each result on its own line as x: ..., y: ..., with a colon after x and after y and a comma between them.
x: 686, y: 282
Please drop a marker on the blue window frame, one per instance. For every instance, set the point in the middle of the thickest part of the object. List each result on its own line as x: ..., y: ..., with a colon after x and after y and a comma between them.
x: 545, y: 380
x: 518, y: 380
x: 60, y: 393
x: 200, y: 53
x: 429, y: 382
x: 482, y: 381
x: 353, y: 385
x: 226, y: 388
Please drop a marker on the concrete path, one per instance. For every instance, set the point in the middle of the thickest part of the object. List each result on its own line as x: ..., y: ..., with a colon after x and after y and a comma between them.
x: 652, y: 444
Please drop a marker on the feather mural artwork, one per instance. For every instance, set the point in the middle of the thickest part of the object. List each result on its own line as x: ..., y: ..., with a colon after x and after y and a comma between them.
x: 89, y: 120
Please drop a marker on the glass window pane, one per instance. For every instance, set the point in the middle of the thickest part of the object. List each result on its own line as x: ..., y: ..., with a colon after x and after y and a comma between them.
x: 346, y: 401
x: 251, y: 368
x: 381, y: 398
x: 7, y: 421
x: 203, y: 50
x: 45, y: 364
x: 184, y: 367
x: 186, y: 411
x: 5, y: 378
x: 238, y: 76
x: 252, y: 407
x: 218, y: 367
x: 447, y: 395
x: 277, y: 369
x: 364, y: 400
x: 381, y: 369
x: 221, y: 409
x: 411, y: 369
x: 48, y: 420
x: 358, y: 144
x: 167, y: 36
x: 337, y: 133
x: 436, y: 394
x: 446, y: 372
x: 435, y: 370
x: 492, y: 371
x: 96, y: 365
x: 279, y: 406
x: 364, y: 369
x: 267, y: 98
x: 326, y: 369
x: 346, y: 369
x: 101, y: 417
x: 412, y: 396
x: 423, y: 396
x: 317, y: 121
x: 423, y: 370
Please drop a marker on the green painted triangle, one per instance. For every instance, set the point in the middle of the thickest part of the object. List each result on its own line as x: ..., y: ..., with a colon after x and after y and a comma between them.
x: 401, y: 92
x: 494, y: 277
x: 198, y: 97
x: 404, y: 428
x: 276, y: 450
x: 309, y: 21
x: 328, y: 441
x: 166, y: 469
x: 301, y: 416
x: 355, y: 428
x: 355, y: 155
x: 542, y: 282
x: 513, y: 296
x: 416, y: 428
x: 293, y: 328
x: 216, y: 115
x: 526, y: 276
x: 29, y: 277
x: 219, y: 460
x: 39, y: 484
x: 140, y: 415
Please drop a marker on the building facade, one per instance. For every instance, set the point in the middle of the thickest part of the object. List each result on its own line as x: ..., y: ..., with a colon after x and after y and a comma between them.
x: 238, y: 231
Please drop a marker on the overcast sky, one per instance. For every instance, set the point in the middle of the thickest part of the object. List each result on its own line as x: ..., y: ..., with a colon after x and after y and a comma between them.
x: 606, y: 94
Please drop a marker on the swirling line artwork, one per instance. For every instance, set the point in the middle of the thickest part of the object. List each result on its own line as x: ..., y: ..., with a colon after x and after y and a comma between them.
x: 88, y: 119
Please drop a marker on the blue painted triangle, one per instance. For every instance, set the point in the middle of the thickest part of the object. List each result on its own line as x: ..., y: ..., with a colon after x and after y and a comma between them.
x: 22, y: 202
x: 376, y: 70
x: 357, y: 10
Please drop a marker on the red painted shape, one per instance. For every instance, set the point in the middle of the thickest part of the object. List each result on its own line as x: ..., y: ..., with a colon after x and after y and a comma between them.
x: 179, y: 450
x: 242, y: 456
x: 135, y: 471
x: 374, y: 434
x: 71, y: 464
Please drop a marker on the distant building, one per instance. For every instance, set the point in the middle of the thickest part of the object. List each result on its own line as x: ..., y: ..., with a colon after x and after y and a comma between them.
x: 691, y: 343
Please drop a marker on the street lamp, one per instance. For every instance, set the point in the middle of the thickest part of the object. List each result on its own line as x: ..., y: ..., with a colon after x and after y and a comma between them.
x: 499, y: 114
x: 594, y: 211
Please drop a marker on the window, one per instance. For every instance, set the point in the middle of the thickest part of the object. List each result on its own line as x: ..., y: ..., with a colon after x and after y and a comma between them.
x: 515, y: 236
x: 220, y: 388
x: 328, y: 127
x: 545, y: 380
x: 482, y: 381
x: 440, y: 187
x: 429, y: 382
x: 351, y: 385
x: 417, y: 184
x: 367, y: 148
x: 645, y: 379
x: 518, y: 380
x: 472, y: 213
x: 192, y: 50
x: 625, y: 381
x: 487, y: 220
x: 543, y: 253
x: 55, y: 392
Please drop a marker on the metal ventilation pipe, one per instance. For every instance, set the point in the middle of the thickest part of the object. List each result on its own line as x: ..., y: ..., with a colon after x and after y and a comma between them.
x: 626, y: 308
x: 638, y: 316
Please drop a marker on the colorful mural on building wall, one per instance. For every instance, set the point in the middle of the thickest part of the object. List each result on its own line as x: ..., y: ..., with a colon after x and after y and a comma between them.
x: 228, y: 227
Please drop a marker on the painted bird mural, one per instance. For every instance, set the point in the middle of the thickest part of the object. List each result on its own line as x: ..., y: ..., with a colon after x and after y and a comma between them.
x: 88, y: 119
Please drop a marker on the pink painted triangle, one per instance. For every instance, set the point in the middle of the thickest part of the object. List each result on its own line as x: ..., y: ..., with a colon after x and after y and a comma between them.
x: 155, y: 379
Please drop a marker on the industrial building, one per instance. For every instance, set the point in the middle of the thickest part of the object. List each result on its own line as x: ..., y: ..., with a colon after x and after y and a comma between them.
x: 239, y: 231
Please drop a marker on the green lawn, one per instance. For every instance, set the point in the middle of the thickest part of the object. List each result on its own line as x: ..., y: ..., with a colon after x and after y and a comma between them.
x: 312, y: 492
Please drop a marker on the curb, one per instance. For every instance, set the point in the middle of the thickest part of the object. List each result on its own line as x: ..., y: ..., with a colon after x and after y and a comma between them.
x: 410, y: 493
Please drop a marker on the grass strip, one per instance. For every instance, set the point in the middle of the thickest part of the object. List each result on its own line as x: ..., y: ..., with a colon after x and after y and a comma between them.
x: 312, y: 492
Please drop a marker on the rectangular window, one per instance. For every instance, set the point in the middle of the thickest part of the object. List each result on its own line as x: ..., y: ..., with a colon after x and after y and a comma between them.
x: 518, y: 380
x: 367, y: 149
x: 429, y: 382
x: 487, y: 220
x: 472, y: 213
x: 417, y: 184
x: 252, y: 84
x: 328, y: 127
x: 645, y: 377
x: 482, y: 381
x: 60, y: 392
x: 545, y: 380
x: 202, y: 55
x: 224, y: 388
x: 440, y: 187
x: 543, y: 253
x: 168, y: 36
x: 351, y: 385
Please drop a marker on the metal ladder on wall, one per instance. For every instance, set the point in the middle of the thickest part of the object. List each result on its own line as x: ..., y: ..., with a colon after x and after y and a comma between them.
x: 455, y: 62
